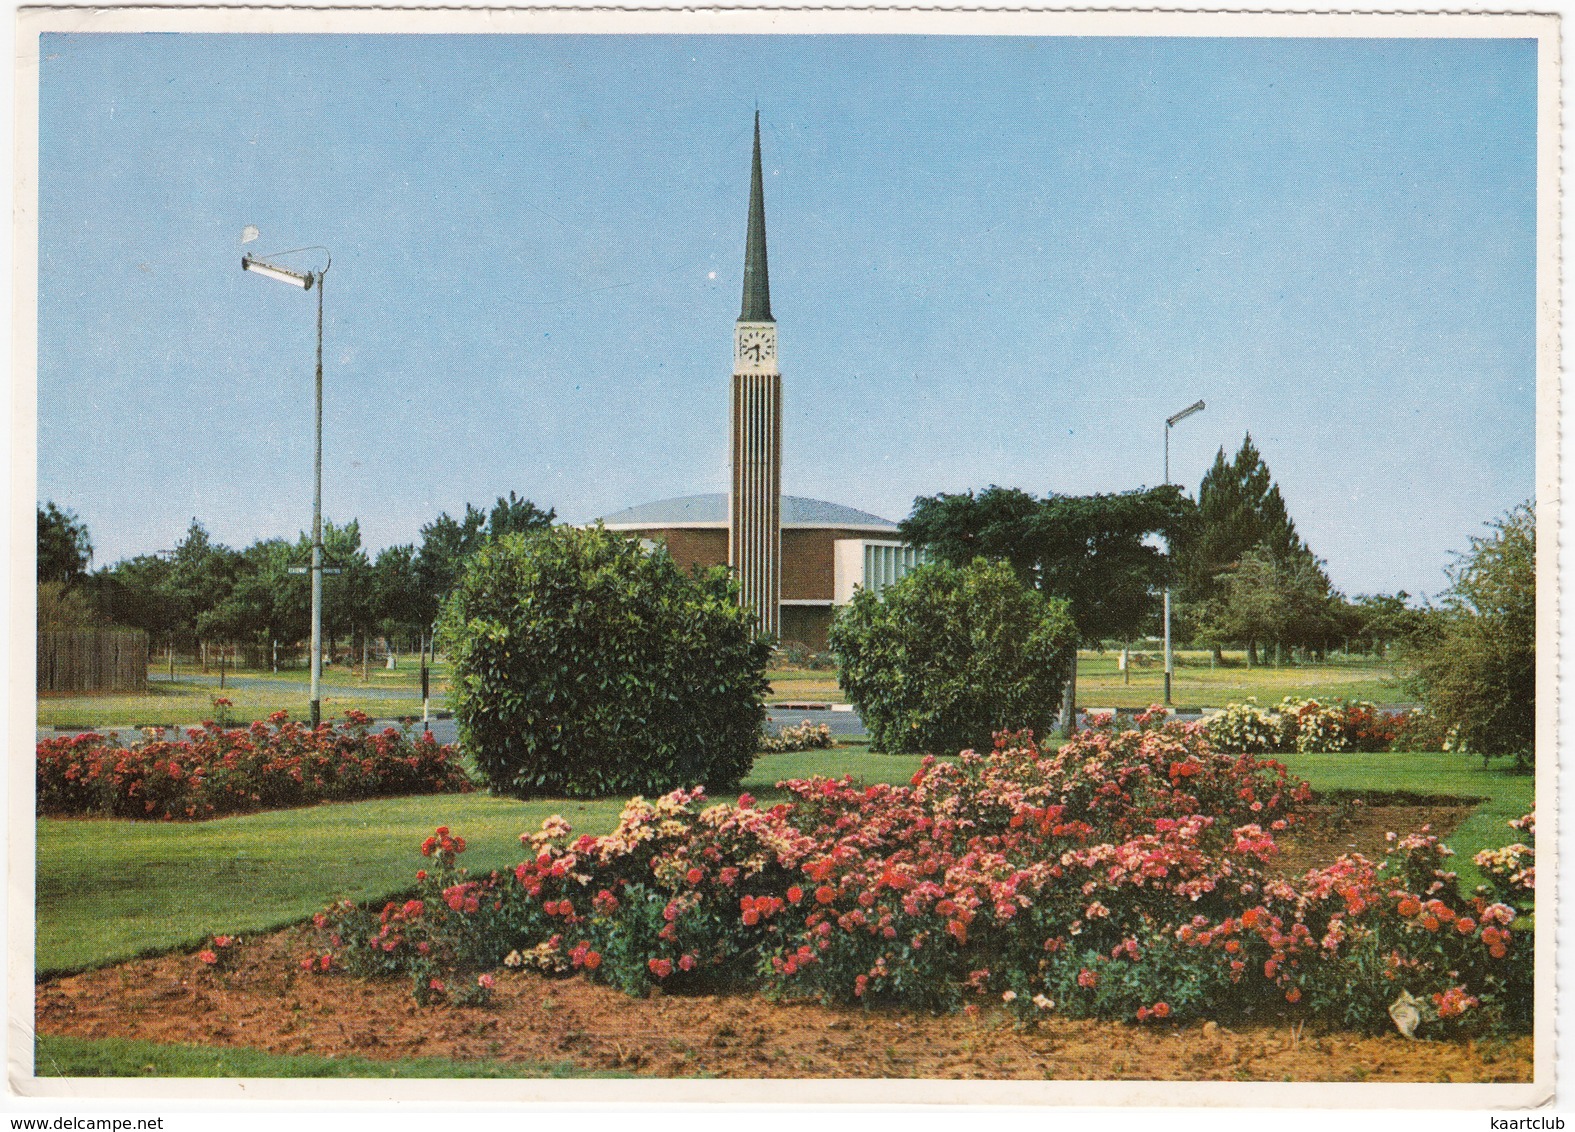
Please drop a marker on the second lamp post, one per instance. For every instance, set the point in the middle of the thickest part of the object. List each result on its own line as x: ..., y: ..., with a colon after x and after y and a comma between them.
x: 1170, y: 423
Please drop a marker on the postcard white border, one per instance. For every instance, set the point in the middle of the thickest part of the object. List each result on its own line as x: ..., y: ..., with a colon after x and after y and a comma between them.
x: 32, y: 22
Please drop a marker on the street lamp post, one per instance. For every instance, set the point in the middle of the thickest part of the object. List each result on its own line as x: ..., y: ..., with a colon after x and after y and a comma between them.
x: 1170, y: 660
x: 306, y: 280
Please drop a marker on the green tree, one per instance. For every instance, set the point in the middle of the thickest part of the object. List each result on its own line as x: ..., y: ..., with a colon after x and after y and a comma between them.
x: 396, y: 592
x: 1239, y: 508
x: 998, y: 524
x: 1475, y: 667
x: 64, y: 607
x: 264, y: 602
x: 136, y: 592
x: 1097, y: 552
x: 515, y: 516
x: 586, y: 666
x: 948, y: 656
x: 1268, y: 600
x: 202, y: 573
x: 64, y: 549
x: 347, y: 593
x: 1381, y: 619
x: 448, y: 543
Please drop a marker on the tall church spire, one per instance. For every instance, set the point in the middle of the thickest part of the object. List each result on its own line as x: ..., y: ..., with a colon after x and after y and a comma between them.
x: 754, y: 506
x: 757, y: 286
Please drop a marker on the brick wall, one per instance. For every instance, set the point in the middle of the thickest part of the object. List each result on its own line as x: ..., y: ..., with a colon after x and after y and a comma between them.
x: 690, y: 546
x: 808, y: 569
x: 806, y: 624
x: 808, y: 566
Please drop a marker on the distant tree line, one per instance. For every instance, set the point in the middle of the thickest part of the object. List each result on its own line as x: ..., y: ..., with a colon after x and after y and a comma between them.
x: 205, y: 591
x: 1240, y: 574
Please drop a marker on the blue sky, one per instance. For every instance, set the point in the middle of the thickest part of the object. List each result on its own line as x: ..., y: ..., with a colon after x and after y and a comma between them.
x: 992, y: 261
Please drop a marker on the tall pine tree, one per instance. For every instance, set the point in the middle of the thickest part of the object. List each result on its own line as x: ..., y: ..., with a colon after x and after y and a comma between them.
x: 1239, y: 508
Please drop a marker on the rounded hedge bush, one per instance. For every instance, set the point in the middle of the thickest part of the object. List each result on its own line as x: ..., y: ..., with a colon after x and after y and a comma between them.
x: 948, y: 656
x: 584, y: 665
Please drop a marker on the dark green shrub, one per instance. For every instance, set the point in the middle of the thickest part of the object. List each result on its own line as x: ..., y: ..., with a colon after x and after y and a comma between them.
x: 585, y: 666
x: 948, y: 656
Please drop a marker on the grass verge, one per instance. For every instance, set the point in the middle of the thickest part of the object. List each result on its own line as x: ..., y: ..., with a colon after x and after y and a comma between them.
x: 188, y: 702
x: 110, y: 890
x: 188, y: 697
x: 120, y: 1057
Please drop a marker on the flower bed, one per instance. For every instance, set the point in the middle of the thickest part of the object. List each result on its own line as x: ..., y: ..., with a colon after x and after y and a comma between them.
x: 806, y: 736
x: 1318, y: 725
x: 1123, y: 876
x: 214, y: 771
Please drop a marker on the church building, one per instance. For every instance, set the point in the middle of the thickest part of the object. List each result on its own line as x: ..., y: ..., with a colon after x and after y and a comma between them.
x: 796, y: 559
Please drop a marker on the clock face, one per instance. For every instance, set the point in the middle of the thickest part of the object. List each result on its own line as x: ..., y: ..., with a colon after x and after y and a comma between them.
x: 755, y: 345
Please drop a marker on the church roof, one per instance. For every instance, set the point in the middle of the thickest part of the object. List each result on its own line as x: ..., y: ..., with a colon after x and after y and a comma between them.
x: 711, y: 511
x: 757, y: 284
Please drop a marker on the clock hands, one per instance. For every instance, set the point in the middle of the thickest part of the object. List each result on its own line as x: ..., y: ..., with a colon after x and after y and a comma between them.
x: 755, y: 346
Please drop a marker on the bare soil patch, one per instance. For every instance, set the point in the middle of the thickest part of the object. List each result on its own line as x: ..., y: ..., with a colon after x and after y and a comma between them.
x: 1326, y: 831
x: 266, y: 1002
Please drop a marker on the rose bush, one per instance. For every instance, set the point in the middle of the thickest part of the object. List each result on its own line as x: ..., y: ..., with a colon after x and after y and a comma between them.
x: 1249, y: 728
x: 214, y: 771
x: 1125, y: 875
x: 1512, y: 870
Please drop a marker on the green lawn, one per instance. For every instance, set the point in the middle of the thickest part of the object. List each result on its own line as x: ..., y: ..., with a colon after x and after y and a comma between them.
x: 189, y: 701
x: 406, y: 677
x: 111, y: 890
x: 1196, y: 684
x: 1508, y: 795
x: 817, y: 684
x: 189, y: 697
x: 119, y: 1057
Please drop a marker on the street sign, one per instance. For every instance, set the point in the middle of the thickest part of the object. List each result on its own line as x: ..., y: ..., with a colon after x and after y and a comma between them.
x: 308, y: 570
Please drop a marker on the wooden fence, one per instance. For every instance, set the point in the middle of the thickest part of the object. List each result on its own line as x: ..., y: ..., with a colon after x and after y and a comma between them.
x: 92, y: 660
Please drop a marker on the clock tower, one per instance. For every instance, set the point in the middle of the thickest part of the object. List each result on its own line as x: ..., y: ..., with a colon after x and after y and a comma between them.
x: 754, y: 506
